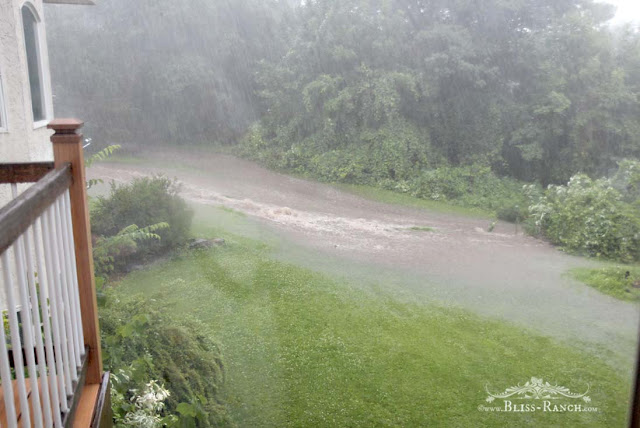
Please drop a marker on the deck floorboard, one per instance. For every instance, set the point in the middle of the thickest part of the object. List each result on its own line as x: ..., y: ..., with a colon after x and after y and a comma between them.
x: 16, y: 402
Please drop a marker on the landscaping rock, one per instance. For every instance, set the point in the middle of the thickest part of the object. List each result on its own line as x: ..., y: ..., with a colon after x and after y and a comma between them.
x: 200, y: 244
x: 205, y: 244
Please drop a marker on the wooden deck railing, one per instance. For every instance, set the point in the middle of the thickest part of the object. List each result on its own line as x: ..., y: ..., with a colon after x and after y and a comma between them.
x: 50, y: 357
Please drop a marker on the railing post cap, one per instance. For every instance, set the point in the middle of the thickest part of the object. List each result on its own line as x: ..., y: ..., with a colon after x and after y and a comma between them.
x: 65, y: 126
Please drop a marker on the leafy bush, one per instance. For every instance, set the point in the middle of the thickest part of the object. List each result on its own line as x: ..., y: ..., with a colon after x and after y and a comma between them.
x: 588, y: 216
x: 395, y: 152
x: 143, y: 205
x: 143, y: 344
x: 111, y: 252
x: 473, y: 186
x: 393, y: 157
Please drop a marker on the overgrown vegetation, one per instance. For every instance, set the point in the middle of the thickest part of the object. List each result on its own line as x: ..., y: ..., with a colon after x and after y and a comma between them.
x: 596, y: 217
x: 145, y: 346
x: 474, y: 186
x: 599, y: 218
x: 165, y: 371
x: 621, y: 282
x: 137, y: 220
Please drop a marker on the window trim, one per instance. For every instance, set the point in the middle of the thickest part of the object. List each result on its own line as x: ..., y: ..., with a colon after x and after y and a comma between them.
x: 43, y: 72
x: 4, y: 126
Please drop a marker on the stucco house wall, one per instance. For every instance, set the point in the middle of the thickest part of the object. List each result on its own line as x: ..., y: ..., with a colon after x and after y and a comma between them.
x: 22, y: 141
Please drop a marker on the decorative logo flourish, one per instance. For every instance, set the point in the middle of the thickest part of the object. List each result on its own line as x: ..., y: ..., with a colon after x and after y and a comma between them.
x: 537, y: 389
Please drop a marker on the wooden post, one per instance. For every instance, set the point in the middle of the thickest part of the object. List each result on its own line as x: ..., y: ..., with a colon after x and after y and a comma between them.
x: 634, y: 414
x: 67, y: 147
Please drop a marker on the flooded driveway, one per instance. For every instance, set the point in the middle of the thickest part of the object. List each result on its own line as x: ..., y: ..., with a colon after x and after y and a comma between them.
x: 422, y: 255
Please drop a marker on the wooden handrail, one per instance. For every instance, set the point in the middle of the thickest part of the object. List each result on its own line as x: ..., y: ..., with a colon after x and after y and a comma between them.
x: 20, y: 213
x: 24, y: 172
x: 102, y: 413
x: 634, y: 413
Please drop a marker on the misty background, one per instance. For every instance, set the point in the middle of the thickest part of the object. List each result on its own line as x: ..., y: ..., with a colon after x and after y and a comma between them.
x: 536, y: 90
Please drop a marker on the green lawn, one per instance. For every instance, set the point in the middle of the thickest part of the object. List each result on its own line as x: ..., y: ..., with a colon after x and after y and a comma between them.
x: 305, y: 350
x: 615, y: 280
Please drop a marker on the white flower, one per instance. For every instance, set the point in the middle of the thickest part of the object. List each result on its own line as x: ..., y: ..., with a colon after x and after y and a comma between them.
x: 148, y: 405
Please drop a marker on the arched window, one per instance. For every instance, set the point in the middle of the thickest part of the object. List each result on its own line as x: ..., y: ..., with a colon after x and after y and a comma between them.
x: 31, y: 25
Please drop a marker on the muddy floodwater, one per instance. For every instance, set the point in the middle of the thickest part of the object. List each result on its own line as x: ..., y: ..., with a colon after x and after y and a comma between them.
x: 415, y: 253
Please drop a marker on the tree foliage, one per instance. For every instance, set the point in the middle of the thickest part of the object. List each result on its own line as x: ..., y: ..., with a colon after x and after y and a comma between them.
x: 536, y: 90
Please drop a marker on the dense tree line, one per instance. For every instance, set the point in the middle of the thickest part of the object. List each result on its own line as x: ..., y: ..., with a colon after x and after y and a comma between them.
x: 535, y: 89
x: 361, y: 90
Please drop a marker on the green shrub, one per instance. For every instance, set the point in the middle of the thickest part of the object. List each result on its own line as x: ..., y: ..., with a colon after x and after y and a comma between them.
x: 111, y: 253
x: 394, y: 157
x: 143, y: 203
x: 396, y: 151
x: 588, y: 216
x: 142, y: 344
x: 473, y: 186
x: 513, y: 212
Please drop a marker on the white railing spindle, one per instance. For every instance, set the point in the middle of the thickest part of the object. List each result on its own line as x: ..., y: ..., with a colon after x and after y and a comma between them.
x: 16, y: 345
x: 5, y: 375
x: 66, y: 255
x: 64, y: 289
x: 45, y: 282
x: 52, y: 279
x: 20, y: 259
x: 71, y: 256
x: 37, y: 322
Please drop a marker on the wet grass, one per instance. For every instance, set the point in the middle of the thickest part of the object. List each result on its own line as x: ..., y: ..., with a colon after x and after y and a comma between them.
x: 394, y: 198
x: 305, y: 350
x: 422, y: 229
x: 619, y: 281
x: 232, y: 211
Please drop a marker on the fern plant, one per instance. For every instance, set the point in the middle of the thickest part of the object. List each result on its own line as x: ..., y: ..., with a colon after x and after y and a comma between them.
x: 97, y: 157
x: 108, y: 249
